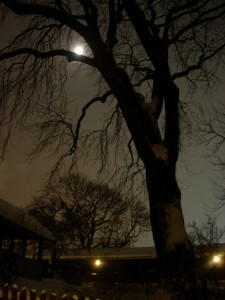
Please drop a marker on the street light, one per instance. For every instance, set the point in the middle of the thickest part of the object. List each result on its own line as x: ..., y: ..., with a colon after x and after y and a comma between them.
x: 216, y: 261
x: 98, y: 262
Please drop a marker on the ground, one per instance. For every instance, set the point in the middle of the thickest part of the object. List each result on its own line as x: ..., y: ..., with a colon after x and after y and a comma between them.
x: 91, y: 290
x: 97, y: 291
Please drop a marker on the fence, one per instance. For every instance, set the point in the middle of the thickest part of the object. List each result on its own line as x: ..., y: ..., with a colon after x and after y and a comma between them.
x: 12, y: 293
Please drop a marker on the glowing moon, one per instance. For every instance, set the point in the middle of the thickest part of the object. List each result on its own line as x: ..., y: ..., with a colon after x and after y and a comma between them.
x: 79, y: 50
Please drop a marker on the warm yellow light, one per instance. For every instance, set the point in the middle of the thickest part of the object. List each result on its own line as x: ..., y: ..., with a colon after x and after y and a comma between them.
x: 98, y: 262
x: 216, y: 259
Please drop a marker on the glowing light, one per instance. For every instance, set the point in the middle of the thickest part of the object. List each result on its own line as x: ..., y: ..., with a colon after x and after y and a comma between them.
x: 216, y: 259
x: 79, y: 50
x: 98, y: 262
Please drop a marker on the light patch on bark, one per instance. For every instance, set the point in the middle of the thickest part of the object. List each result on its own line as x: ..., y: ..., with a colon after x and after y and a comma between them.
x: 154, y: 104
x: 176, y: 233
x: 160, y: 151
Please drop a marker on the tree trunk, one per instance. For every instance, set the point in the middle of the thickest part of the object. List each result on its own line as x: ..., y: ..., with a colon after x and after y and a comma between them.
x: 173, y: 247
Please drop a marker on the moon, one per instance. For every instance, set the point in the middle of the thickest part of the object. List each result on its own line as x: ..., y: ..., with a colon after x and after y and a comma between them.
x: 79, y: 50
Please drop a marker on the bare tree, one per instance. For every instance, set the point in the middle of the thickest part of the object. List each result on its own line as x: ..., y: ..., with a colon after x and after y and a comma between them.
x: 211, y: 133
x: 83, y: 214
x: 206, y: 236
x: 139, y: 49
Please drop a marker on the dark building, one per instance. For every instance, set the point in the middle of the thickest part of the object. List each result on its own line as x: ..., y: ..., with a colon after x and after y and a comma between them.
x: 120, y: 265
x: 22, y: 241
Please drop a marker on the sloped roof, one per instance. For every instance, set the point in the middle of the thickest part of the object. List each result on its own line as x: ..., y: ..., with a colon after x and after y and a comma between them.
x: 17, y: 224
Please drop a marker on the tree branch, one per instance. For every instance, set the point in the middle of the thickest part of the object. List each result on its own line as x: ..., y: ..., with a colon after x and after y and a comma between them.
x: 204, y: 17
x: 198, y: 66
x: 71, y: 56
x: 113, y: 22
x: 84, y: 110
x: 63, y: 17
x: 179, y: 8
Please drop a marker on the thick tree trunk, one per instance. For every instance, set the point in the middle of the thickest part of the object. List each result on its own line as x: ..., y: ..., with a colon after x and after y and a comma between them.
x: 173, y: 247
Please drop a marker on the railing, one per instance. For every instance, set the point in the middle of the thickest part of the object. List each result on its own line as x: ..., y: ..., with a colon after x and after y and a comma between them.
x: 12, y: 293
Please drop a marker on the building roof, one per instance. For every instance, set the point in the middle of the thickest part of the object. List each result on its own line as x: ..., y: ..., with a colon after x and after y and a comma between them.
x: 110, y: 253
x: 18, y: 224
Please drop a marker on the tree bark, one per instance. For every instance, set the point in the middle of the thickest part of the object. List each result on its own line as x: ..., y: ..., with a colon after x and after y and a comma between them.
x: 174, y: 250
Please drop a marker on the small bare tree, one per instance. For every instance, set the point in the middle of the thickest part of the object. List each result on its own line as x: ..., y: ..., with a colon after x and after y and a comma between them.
x: 206, y: 236
x: 83, y: 214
